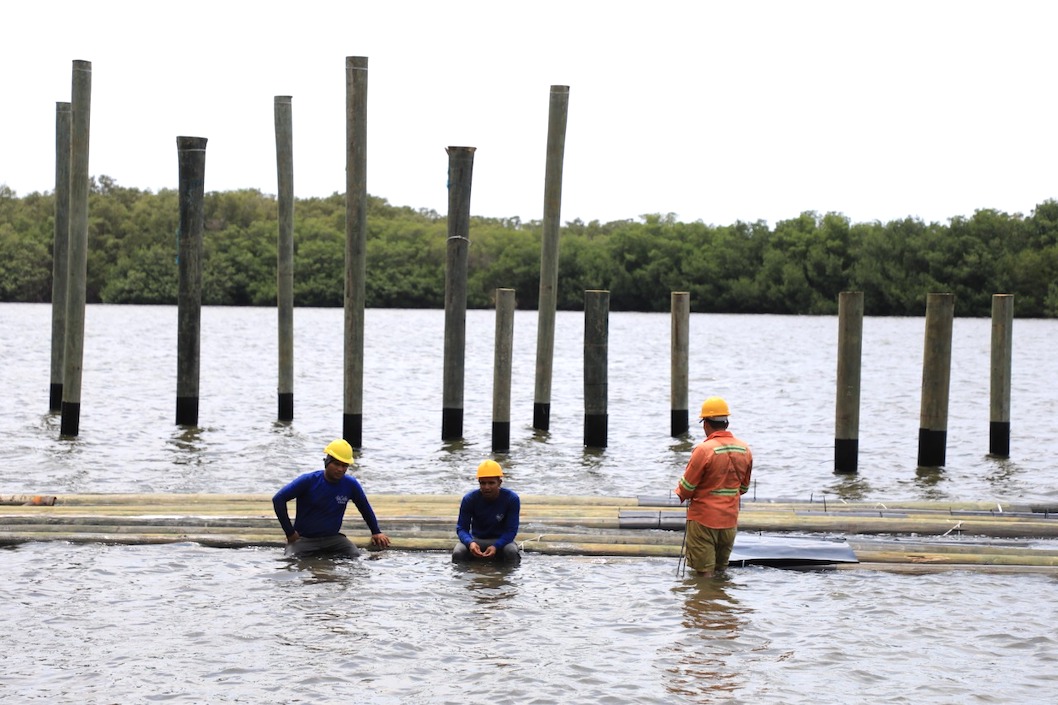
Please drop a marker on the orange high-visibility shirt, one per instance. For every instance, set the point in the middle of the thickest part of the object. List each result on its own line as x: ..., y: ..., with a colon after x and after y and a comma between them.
x: 716, y: 476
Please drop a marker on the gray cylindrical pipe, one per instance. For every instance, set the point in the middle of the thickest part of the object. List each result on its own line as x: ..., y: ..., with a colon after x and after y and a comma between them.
x: 548, y: 303
x: 847, y: 413
x: 77, y: 256
x: 680, y: 343
x: 501, y: 371
x: 460, y: 178
x: 355, y: 246
x: 285, y: 254
x: 596, y: 356
x: 60, y: 265
x: 1002, y: 350
x: 192, y: 158
x: 936, y: 380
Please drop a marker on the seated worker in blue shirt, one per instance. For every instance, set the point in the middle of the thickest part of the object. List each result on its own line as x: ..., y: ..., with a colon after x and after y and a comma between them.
x: 488, y: 519
x: 321, y: 500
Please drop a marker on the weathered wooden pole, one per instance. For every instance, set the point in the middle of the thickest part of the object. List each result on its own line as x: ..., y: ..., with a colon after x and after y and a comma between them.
x: 60, y: 264
x: 285, y: 254
x: 501, y: 371
x: 936, y: 379
x: 192, y: 158
x: 73, y: 353
x: 355, y: 247
x: 1002, y: 349
x: 548, y: 303
x: 596, y: 342
x: 850, y: 351
x: 460, y: 177
x: 680, y: 343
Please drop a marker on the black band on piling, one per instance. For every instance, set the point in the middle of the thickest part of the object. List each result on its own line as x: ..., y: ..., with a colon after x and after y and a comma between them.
x: 187, y: 411
x: 680, y: 421
x: 71, y: 418
x: 541, y: 416
x: 353, y: 429
x: 931, y: 448
x: 286, y: 406
x: 595, y: 430
x: 55, y: 397
x: 501, y: 436
x: 999, y: 438
x: 846, y: 454
x: 451, y: 424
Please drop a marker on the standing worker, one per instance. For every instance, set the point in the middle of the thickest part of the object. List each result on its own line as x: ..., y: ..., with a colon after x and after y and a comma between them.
x: 716, y: 477
x: 321, y: 500
x: 488, y: 519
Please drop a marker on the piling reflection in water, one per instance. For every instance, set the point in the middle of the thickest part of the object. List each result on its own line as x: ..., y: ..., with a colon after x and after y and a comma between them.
x: 703, y: 668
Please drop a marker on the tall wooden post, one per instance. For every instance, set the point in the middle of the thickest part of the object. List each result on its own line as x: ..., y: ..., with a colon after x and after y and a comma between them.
x: 850, y: 350
x: 60, y: 264
x: 460, y: 177
x: 936, y: 380
x: 548, y: 303
x: 680, y: 342
x: 1002, y: 349
x: 355, y: 246
x: 285, y: 254
x: 192, y: 156
x: 501, y: 371
x: 73, y: 354
x: 596, y: 358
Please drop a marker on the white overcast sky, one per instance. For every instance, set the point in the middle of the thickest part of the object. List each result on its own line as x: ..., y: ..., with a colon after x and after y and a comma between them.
x: 713, y: 111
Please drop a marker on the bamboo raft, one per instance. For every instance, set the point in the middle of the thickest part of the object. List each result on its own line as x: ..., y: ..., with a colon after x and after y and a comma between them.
x: 901, y: 536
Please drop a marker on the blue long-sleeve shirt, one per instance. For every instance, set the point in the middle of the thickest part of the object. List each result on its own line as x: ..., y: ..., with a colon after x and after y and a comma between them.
x: 321, y: 505
x: 481, y: 519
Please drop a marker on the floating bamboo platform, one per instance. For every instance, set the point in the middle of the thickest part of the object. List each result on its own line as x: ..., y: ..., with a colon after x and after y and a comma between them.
x: 899, y: 536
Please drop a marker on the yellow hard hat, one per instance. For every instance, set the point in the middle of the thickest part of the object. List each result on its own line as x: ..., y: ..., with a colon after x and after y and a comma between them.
x: 340, y: 450
x: 713, y: 407
x: 489, y: 468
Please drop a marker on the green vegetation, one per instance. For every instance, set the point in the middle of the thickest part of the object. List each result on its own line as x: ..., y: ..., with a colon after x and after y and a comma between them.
x: 797, y: 267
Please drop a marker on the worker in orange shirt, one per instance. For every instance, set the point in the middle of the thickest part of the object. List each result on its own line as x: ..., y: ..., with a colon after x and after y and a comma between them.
x: 716, y: 477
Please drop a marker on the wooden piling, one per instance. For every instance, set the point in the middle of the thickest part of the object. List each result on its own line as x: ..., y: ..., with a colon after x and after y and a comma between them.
x: 1002, y: 350
x: 680, y: 343
x: 936, y: 380
x: 73, y: 350
x: 548, y: 302
x: 847, y: 415
x: 60, y: 266
x: 285, y: 254
x: 192, y: 160
x: 460, y: 178
x: 596, y: 349
x: 355, y: 247
x: 501, y: 371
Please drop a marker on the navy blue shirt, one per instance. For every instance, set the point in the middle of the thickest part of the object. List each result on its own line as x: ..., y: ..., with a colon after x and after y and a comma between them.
x: 481, y: 519
x: 321, y: 505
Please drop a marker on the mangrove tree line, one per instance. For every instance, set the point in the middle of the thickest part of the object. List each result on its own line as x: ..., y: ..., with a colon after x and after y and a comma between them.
x: 798, y: 266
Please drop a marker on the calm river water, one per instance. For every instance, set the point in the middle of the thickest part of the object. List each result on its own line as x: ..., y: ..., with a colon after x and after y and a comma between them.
x: 184, y: 623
